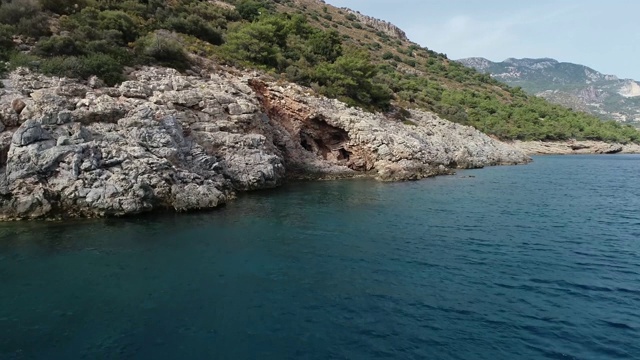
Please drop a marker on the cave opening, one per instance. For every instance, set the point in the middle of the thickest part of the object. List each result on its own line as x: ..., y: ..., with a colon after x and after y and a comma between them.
x: 305, y: 144
x: 325, y: 140
x: 343, y: 154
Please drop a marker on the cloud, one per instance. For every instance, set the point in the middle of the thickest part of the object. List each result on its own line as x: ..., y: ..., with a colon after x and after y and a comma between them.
x: 596, y: 33
x: 489, y: 35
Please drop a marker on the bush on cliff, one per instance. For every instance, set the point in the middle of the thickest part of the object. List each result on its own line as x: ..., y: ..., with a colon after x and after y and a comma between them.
x: 11, y: 12
x: 306, y: 55
x: 253, y: 44
x: 349, y: 78
x: 64, y: 6
x: 251, y: 9
x: 57, y: 46
x: 25, y: 17
x: 6, y: 43
x: 196, y: 26
x: 163, y: 48
x: 101, y: 65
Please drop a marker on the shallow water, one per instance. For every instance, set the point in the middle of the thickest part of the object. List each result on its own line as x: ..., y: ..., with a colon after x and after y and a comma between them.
x: 528, y: 262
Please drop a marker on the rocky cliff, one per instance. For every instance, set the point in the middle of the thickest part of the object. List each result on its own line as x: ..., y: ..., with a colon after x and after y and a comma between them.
x: 164, y: 140
x: 380, y: 25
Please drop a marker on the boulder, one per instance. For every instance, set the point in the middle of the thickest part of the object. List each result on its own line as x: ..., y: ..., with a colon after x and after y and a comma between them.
x: 28, y: 133
x: 18, y: 105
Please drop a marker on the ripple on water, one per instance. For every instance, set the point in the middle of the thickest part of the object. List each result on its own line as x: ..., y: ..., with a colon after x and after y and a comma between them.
x: 532, y: 262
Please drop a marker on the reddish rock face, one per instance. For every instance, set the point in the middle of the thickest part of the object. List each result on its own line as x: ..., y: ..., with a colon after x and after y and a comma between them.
x: 18, y: 105
x: 310, y: 131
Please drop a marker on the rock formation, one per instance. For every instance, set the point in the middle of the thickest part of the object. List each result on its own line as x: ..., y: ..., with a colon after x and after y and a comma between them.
x: 163, y: 140
x: 380, y: 25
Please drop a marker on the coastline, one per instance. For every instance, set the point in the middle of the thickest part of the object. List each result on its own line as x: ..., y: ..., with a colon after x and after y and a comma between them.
x: 163, y: 140
x: 574, y: 147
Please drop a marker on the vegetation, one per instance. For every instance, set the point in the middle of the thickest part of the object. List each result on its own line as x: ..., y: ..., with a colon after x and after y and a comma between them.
x: 101, y: 37
x: 305, y: 42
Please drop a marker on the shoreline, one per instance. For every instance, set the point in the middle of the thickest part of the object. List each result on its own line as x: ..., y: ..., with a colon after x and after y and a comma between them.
x: 166, y: 140
x: 574, y: 147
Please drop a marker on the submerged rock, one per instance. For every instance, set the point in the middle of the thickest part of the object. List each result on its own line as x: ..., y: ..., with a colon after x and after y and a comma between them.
x: 163, y: 140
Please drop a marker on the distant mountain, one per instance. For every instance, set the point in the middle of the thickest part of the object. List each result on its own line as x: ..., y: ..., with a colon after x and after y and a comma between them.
x: 572, y: 85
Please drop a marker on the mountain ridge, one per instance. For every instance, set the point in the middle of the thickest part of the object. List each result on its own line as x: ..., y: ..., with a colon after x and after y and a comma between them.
x: 573, y: 85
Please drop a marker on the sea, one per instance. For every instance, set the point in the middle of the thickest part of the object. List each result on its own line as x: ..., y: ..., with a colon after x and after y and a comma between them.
x: 540, y: 261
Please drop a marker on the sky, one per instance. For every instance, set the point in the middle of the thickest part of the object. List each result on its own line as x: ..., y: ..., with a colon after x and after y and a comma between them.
x: 602, y: 34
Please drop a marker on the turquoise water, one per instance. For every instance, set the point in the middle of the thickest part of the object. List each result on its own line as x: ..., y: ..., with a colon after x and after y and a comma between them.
x: 527, y: 262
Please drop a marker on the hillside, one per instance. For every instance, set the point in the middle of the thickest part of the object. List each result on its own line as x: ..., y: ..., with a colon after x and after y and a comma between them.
x: 336, y: 52
x: 572, y: 85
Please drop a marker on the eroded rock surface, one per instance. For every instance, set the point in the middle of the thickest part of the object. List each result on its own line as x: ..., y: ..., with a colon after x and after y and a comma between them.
x: 162, y: 140
x: 421, y: 146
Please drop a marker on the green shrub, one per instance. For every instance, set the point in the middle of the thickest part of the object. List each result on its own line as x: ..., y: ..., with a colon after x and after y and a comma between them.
x: 58, y: 66
x: 350, y: 78
x: 101, y: 65
x: 35, y: 26
x: 123, y: 55
x: 63, y: 6
x: 164, y: 48
x: 215, y: 16
x: 195, y: 26
x: 325, y: 45
x: 251, y: 9
x: 12, y: 12
x: 121, y: 22
x: 375, y: 46
x: 20, y: 59
x: 3, y: 70
x: 254, y: 43
x: 56, y: 46
x: 6, y: 42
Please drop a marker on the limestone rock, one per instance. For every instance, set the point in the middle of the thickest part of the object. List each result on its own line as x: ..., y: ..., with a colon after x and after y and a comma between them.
x: 331, y: 133
x: 95, y: 82
x: 380, y: 25
x: 165, y: 140
x: 28, y: 133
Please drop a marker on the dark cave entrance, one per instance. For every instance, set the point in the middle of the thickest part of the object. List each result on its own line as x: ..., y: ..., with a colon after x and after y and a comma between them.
x: 343, y: 154
x: 320, y: 138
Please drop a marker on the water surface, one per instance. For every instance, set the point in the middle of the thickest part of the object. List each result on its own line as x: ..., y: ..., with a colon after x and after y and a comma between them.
x: 527, y: 262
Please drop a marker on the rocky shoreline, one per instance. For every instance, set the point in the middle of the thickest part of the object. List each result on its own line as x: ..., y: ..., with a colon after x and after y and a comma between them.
x: 574, y: 147
x: 164, y: 140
